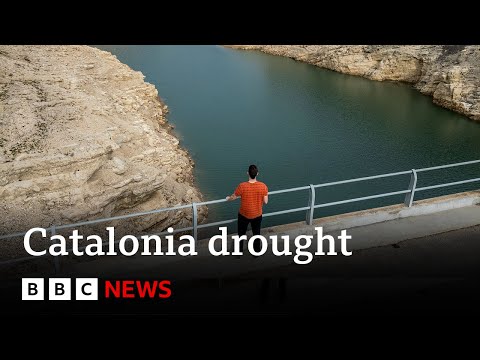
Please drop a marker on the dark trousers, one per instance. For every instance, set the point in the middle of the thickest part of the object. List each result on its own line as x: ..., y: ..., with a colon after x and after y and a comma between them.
x: 242, y: 229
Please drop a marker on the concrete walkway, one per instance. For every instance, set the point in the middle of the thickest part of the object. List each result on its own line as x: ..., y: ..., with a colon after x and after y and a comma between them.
x: 205, y: 265
x: 409, y: 265
x: 406, y: 273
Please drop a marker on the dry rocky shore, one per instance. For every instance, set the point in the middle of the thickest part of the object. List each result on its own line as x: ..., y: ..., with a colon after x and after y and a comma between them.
x: 448, y: 73
x: 83, y: 136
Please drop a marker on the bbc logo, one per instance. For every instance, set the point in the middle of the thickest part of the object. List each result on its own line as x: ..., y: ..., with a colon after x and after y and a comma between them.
x: 60, y: 289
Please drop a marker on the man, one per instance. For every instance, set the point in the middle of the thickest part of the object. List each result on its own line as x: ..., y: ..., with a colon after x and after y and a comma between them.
x: 253, y: 195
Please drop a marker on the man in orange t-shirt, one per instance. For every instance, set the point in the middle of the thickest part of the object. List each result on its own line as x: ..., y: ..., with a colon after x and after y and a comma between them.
x: 253, y: 195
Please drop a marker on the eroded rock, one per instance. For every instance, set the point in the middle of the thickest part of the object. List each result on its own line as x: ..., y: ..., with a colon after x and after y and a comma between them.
x: 448, y: 73
x: 83, y: 136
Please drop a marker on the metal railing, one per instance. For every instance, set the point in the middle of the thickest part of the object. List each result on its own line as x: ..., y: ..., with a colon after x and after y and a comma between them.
x: 309, y: 209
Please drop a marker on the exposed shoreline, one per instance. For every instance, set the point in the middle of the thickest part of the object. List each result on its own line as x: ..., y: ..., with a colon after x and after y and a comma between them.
x: 448, y: 73
x: 83, y: 136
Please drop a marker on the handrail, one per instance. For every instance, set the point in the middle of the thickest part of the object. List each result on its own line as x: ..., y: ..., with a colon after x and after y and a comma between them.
x: 311, y: 206
x: 449, y: 165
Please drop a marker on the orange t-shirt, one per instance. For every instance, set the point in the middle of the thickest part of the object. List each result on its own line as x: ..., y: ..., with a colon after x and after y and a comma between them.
x: 252, y: 198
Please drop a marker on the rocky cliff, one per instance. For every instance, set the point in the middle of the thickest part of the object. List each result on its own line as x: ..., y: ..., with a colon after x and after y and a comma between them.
x: 448, y: 73
x: 83, y: 136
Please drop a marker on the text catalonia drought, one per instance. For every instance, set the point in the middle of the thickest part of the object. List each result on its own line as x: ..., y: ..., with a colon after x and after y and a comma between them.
x: 129, y: 245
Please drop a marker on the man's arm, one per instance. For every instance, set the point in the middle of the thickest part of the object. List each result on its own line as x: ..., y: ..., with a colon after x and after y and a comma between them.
x: 265, y: 199
x: 232, y: 197
x: 236, y: 194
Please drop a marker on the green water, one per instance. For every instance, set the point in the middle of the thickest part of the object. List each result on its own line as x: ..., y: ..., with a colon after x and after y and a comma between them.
x: 301, y: 125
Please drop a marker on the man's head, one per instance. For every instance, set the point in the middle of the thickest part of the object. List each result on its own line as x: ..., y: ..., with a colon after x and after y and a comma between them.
x: 252, y: 171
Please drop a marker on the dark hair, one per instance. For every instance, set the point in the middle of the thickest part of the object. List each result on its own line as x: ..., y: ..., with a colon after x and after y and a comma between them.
x: 252, y: 171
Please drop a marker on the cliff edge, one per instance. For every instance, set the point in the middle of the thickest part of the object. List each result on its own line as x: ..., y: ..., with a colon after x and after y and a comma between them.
x: 83, y: 136
x: 448, y: 73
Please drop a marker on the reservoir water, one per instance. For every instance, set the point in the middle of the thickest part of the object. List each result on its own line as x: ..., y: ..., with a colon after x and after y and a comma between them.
x: 301, y: 125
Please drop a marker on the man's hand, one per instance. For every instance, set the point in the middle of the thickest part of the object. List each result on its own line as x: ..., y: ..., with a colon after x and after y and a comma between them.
x: 231, y: 197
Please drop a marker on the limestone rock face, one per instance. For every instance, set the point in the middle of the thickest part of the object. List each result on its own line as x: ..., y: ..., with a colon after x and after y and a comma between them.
x: 83, y: 136
x: 449, y: 73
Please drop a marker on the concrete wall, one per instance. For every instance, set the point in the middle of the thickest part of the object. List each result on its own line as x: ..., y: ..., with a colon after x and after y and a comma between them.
x: 368, y: 228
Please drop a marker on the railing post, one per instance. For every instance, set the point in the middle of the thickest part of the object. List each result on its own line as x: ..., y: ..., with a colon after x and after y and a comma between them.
x: 56, y: 260
x: 413, y: 184
x: 311, y: 203
x: 194, y: 220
